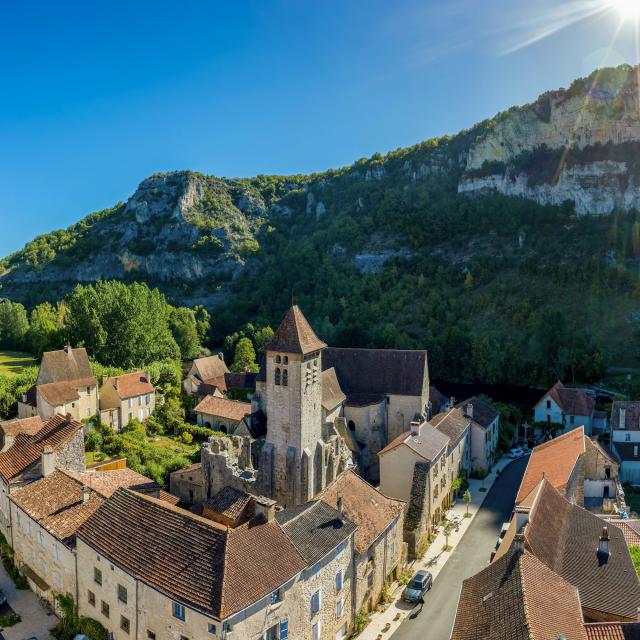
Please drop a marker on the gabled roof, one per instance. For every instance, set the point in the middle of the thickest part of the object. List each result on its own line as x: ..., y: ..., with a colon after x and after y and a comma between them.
x: 627, y: 451
x: 378, y: 371
x: 26, y: 450
x: 190, y: 559
x: 631, y: 415
x: 630, y: 529
x: 452, y: 424
x: 518, y: 598
x: 30, y: 426
x: 295, y: 335
x: 315, y: 528
x: 428, y: 444
x: 371, y: 511
x: 106, y: 483
x: 565, y: 537
x: 131, y: 385
x: 571, y: 401
x: 332, y: 394
x: 438, y: 400
x: 209, y: 367
x: 613, y: 630
x: 68, y: 365
x: 223, y: 408
x: 58, y: 394
x: 483, y: 414
x: 555, y: 460
x: 230, y: 502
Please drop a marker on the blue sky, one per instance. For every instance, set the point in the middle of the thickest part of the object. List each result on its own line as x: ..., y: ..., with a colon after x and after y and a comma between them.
x: 95, y: 96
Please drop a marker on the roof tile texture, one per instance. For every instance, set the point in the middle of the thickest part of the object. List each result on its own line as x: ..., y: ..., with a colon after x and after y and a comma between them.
x: 223, y: 408
x: 295, y: 335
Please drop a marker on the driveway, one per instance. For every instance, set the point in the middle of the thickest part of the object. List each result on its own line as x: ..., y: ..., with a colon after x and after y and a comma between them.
x: 36, y: 619
x: 435, y: 621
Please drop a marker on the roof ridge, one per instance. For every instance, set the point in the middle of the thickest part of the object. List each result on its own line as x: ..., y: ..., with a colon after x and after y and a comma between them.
x: 572, y: 432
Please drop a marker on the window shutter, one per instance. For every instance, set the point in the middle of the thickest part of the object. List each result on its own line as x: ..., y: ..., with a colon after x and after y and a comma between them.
x: 284, y: 629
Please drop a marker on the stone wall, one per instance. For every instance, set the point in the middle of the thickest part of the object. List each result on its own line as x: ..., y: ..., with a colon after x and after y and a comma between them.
x: 71, y: 454
x: 226, y: 461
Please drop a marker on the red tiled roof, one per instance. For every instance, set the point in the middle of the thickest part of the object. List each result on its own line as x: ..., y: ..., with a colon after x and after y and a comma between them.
x: 59, y: 393
x: 26, y: 450
x: 131, y: 385
x: 555, y: 460
x: 630, y: 530
x: 223, y: 408
x: 30, y: 426
x: 106, y: 483
x: 572, y: 401
x: 295, y: 335
x: 209, y: 367
x: 191, y: 559
x: 613, y: 630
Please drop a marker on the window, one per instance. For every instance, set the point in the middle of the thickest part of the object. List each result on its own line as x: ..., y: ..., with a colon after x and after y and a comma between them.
x: 151, y: 635
x: 339, y: 580
x: 285, y: 359
x: 272, y: 632
x: 139, y: 401
x: 316, y: 599
x: 43, y: 568
x: 278, y: 359
x: 91, y: 598
x: 276, y: 597
x: 212, y: 629
x: 178, y: 611
x: 148, y: 398
x: 41, y: 538
x: 548, y: 404
x: 284, y: 629
x: 56, y: 551
x: 285, y: 378
x: 105, y: 609
x: 572, y: 419
x: 370, y: 580
x: 88, y: 412
x: 97, y: 576
x: 627, y: 437
x: 130, y: 403
x: 124, y: 624
x: 339, y: 608
x: 315, y: 570
x: 277, y: 375
x: 57, y: 579
x: 316, y: 631
x: 548, y: 418
x: 122, y: 594
x: 340, y: 550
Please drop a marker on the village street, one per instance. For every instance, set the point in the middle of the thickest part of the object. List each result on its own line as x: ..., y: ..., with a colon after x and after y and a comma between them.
x: 435, y: 621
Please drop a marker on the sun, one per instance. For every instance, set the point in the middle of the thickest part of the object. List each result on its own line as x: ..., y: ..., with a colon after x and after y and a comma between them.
x: 627, y: 9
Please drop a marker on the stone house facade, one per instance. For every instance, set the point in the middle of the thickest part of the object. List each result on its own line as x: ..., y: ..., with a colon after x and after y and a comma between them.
x: 221, y: 414
x: 205, y: 371
x: 125, y: 397
x: 188, y: 484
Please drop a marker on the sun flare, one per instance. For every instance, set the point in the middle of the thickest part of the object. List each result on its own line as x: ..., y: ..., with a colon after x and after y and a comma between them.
x: 627, y: 9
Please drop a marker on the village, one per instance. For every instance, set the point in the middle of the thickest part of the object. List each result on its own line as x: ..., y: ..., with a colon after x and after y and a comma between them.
x: 326, y: 505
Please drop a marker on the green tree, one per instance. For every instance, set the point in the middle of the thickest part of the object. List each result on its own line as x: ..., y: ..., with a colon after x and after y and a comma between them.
x: 203, y: 322
x: 14, y: 325
x: 182, y: 323
x: 245, y: 357
x: 44, y: 329
x: 466, y: 496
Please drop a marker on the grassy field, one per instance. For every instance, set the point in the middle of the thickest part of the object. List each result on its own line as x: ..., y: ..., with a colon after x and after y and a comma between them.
x: 13, y: 362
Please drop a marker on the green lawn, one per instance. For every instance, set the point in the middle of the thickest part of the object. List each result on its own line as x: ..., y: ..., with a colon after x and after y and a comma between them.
x: 13, y: 362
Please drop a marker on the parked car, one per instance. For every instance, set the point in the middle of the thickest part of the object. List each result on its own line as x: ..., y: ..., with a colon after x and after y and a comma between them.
x: 417, y: 586
x: 517, y: 452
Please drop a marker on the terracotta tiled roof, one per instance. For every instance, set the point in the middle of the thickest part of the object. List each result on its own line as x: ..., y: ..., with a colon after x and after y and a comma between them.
x: 223, y: 408
x: 106, y: 483
x: 210, y: 367
x: 630, y: 529
x: 332, y: 394
x: 59, y: 393
x: 631, y: 415
x: 570, y: 400
x: 371, y: 511
x: 194, y: 467
x: 131, y: 385
x: 565, y: 537
x: 26, y: 450
x: 30, y: 426
x: 613, y: 630
x: 452, y: 424
x: 56, y: 503
x: 295, y: 335
x: 378, y: 371
x: 483, y: 413
x: 428, y: 444
x: 68, y: 365
x: 192, y: 560
x: 229, y: 502
x: 555, y: 460
x: 518, y: 598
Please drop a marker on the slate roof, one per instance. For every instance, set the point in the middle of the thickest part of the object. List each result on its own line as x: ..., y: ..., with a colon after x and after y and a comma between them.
x: 332, y: 394
x: 371, y: 511
x: 483, y: 414
x: 555, y: 460
x: 56, y: 503
x: 59, y: 393
x: 572, y: 401
x: 613, y: 630
x: 188, y: 558
x: 209, y: 367
x: 223, y: 408
x: 452, y: 424
x: 244, y: 380
x: 30, y: 426
x: 632, y: 415
x: 229, y: 502
x: 315, y: 529
x: 565, y: 537
x: 429, y: 444
x: 67, y: 365
x: 627, y: 451
x: 26, y: 449
x: 131, y: 385
x: 378, y: 371
x: 518, y: 598
x: 295, y: 335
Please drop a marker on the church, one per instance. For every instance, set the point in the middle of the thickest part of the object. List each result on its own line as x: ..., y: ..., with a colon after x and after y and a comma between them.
x: 318, y: 411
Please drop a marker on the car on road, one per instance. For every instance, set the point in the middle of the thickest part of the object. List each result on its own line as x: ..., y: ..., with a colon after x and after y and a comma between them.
x: 417, y: 586
x: 516, y: 452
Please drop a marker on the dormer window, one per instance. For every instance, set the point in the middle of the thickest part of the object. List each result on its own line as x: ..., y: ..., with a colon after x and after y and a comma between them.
x: 277, y: 375
x: 285, y: 377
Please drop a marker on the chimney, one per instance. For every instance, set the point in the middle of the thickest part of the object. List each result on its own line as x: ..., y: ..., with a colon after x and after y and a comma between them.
x: 623, y: 417
x: 415, y: 428
x: 116, y: 382
x: 603, y: 543
x: 469, y: 410
x: 67, y: 349
x: 452, y: 403
x: 86, y: 494
x: 221, y: 356
x: 340, y: 508
x: 518, y: 543
x: 265, y: 508
x: 522, y: 518
x: 48, y: 461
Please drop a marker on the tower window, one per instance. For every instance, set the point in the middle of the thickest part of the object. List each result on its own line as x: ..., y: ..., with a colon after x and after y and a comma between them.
x: 277, y: 375
x: 285, y: 359
x: 278, y: 360
x: 285, y: 377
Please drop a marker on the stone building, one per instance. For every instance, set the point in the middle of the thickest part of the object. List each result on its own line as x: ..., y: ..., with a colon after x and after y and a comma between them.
x: 188, y: 484
x: 207, y: 372
x: 125, y: 397
x: 221, y: 414
x: 65, y: 385
x: 485, y: 432
x: 11, y: 428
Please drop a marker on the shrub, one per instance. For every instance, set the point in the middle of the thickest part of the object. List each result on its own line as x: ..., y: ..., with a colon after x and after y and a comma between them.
x: 9, y: 619
x: 93, y: 441
x: 71, y: 624
x: 362, y: 620
x: 187, y: 438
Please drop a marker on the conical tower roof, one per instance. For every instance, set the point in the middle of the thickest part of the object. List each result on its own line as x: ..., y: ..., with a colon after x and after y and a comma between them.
x: 295, y: 335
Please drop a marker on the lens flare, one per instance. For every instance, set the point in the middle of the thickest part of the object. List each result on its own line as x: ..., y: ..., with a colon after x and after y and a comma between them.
x: 627, y: 9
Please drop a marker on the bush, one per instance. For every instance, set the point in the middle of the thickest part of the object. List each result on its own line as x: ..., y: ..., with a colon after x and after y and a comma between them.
x: 362, y: 620
x: 71, y: 624
x: 9, y: 619
x: 93, y: 441
x: 187, y: 438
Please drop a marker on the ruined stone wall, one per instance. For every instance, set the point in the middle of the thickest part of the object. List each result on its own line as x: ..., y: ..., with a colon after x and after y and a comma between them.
x: 226, y: 461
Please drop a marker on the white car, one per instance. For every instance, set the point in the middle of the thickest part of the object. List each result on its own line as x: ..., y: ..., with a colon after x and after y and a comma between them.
x: 517, y: 452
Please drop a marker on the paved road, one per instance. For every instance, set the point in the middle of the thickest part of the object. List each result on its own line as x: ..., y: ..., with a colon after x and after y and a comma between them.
x: 471, y: 555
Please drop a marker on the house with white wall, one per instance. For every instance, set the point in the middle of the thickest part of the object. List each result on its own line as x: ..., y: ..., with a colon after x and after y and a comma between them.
x: 568, y: 406
x: 625, y: 438
x: 485, y: 432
